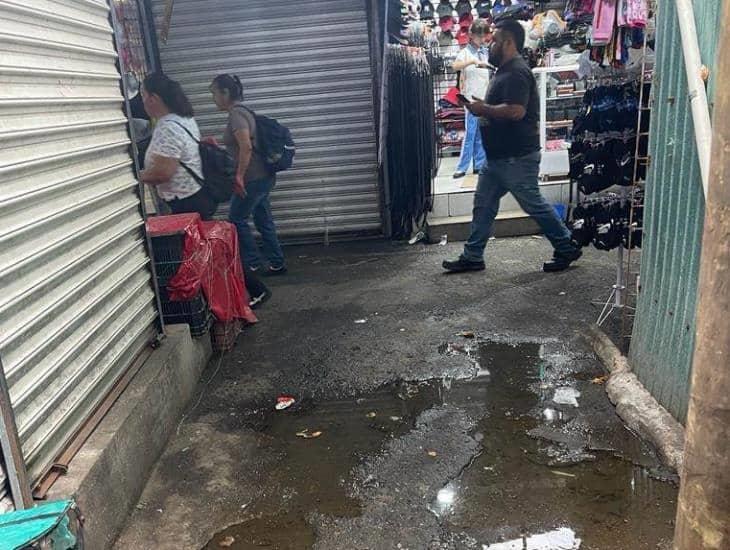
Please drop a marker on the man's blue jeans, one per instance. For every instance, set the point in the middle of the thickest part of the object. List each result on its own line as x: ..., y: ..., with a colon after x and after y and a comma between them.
x: 471, y: 147
x: 518, y: 176
x: 256, y: 202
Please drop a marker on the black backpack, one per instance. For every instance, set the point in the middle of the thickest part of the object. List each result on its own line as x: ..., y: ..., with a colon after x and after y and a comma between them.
x: 274, y: 143
x: 219, y: 169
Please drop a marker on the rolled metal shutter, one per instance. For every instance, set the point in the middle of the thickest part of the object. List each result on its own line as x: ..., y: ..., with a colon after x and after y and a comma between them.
x: 307, y: 64
x: 77, y: 304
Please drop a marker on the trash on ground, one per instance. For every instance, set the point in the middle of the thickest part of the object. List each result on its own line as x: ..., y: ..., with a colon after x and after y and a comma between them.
x: 361, y: 321
x: 467, y: 334
x: 432, y: 454
x: 537, y: 236
x: 372, y: 414
x: 566, y: 396
x: 396, y: 418
x: 562, y: 293
x: 564, y: 474
x: 444, y: 240
x: 402, y: 330
x: 227, y: 542
x: 600, y: 380
x: 417, y: 238
x: 306, y: 434
x: 284, y: 402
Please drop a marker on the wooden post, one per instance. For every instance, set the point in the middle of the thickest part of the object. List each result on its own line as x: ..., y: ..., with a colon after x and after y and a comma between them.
x: 703, y: 514
x: 12, y: 451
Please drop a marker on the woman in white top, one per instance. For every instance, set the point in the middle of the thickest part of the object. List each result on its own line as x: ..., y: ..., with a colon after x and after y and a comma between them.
x: 173, y: 148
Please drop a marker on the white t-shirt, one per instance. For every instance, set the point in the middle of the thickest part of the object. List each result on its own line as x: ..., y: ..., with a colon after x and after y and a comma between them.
x: 170, y: 140
x: 474, y: 80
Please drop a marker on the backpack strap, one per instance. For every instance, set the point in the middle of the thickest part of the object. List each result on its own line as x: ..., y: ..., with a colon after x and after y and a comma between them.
x: 253, y: 114
x: 188, y: 132
x: 200, y: 181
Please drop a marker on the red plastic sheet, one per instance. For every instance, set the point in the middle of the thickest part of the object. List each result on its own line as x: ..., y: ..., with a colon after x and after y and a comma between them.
x: 211, y: 261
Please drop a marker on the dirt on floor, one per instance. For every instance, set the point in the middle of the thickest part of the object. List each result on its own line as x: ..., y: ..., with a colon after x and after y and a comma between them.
x: 431, y: 411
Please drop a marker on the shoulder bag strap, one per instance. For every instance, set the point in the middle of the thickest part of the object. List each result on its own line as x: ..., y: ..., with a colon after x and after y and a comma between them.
x: 189, y: 170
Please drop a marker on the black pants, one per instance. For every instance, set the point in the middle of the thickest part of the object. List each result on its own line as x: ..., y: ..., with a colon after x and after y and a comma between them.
x: 200, y: 202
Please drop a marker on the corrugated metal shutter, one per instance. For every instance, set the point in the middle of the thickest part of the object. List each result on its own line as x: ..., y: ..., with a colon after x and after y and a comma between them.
x: 307, y: 64
x: 664, y: 329
x: 77, y: 304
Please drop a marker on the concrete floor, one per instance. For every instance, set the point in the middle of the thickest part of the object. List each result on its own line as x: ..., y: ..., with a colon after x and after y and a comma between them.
x: 349, y: 320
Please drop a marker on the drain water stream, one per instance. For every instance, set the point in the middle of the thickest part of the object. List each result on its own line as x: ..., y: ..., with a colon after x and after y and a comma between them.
x: 521, y: 485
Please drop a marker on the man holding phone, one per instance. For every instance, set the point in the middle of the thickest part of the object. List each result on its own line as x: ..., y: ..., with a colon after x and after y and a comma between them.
x: 472, y: 63
x: 509, y: 124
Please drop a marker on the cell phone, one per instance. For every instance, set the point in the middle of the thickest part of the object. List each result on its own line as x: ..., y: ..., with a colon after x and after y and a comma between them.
x: 462, y: 98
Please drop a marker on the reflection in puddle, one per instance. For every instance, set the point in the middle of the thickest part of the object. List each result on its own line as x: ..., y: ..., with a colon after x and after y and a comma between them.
x: 560, y: 539
x: 445, y: 499
x: 537, y: 473
x: 527, y: 490
x: 552, y: 415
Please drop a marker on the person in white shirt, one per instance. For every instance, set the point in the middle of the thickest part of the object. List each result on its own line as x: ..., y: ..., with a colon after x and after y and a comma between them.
x: 173, y: 151
x: 472, y: 63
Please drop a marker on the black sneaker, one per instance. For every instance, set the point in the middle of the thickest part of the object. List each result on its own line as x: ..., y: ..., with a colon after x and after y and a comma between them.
x: 273, y: 271
x: 561, y: 262
x: 462, y: 265
x: 459, y: 175
x: 257, y: 301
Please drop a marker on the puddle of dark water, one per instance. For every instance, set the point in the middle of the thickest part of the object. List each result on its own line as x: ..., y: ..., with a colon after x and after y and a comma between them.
x: 314, y: 474
x: 519, y: 485
x: 283, y: 532
x: 515, y: 488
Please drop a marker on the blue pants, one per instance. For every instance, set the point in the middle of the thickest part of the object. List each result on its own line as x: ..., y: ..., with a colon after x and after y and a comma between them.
x: 518, y: 176
x: 256, y: 202
x: 471, y: 147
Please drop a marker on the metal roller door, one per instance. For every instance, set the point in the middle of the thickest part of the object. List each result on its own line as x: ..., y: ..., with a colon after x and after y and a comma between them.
x: 77, y: 304
x: 307, y: 64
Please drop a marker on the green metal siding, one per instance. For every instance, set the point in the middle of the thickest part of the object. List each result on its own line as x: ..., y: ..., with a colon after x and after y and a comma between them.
x: 663, y: 335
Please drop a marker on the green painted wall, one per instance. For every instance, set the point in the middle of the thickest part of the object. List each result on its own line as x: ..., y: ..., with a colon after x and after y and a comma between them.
x: 663, y: 334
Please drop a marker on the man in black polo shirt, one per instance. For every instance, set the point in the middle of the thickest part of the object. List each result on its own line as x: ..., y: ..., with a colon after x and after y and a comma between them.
x: 510, y: 134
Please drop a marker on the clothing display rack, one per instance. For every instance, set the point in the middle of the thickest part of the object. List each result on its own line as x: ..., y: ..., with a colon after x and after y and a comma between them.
x: 410, y: 143
x: 609, y: 149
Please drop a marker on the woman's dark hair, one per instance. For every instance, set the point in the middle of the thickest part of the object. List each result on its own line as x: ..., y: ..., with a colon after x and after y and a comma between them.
x: 229, y: 83
x: 170, y: 92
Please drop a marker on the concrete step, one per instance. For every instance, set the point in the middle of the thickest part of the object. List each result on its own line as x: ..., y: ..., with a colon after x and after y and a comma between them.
x: 457, y: 228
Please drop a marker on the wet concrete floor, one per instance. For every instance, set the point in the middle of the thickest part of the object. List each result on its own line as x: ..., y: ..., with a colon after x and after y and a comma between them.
x: 519, y: 484
x: 467, y: 447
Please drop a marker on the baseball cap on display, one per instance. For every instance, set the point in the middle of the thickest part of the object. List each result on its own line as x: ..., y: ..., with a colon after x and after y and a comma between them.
x: 445, y: 9
x: 466, y: 20
x: 462, y: 37
x: 426, y: 10
x: 446, y: 23
x: 484, y: 8
x: 445, y: 39
x: 463, y: 7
